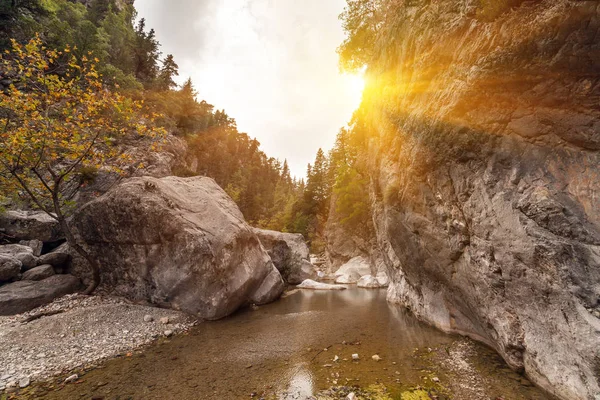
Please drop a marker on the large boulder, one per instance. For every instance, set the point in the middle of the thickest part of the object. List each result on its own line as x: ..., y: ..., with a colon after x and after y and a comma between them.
x: 22, y: 296
x: 353, y: 270
x: 10, y: 267
x: 30, y: 225
x: 177, y: 242
x: 289, y: 253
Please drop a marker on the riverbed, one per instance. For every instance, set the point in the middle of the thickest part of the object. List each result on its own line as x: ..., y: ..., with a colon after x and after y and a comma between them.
x: 301, y: 347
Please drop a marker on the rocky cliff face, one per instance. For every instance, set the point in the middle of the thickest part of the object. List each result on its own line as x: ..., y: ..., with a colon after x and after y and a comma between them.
x: 486, y: 179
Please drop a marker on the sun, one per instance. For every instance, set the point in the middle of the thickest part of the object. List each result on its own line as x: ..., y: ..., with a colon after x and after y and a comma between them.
x: 355, y: 84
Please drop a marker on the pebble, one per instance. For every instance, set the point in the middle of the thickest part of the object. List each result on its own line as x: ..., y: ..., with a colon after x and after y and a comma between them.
x: 351, y: 396
x: 168, y: 333
x: 435, y: 379
x: 89, y: 328
x: 376, y: 358
x: 355, y: 357
x: 336, y: 358
x: 148, y: 318
x: 164, y: 320
x: 11, y: 387
x: 72, y: 378
x: 23, y: 383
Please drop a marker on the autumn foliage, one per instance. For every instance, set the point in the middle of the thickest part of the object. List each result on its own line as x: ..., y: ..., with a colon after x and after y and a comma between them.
x: 57, y: 120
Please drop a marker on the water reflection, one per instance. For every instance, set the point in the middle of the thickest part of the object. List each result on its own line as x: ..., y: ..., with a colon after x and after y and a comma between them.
x: 300, y: 385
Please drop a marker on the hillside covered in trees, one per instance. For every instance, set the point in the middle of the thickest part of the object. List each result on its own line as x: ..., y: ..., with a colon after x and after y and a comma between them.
x: 129, y: 61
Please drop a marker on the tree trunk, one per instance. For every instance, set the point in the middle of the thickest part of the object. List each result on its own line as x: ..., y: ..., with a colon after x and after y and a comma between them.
x: 95, y: 267
x: 62, y: 220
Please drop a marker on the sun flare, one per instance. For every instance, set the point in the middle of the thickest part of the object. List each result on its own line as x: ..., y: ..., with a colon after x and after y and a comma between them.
x: 355, y: 84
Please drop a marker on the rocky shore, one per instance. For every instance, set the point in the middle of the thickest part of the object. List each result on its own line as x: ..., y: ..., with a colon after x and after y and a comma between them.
x: 78, y: 331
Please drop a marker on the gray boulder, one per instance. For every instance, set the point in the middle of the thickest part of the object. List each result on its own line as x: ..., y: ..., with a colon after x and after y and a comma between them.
x: 369, y: 282
x: 22, y: 253
x: 270, y: 289
x: 29, y: 225
x: 28, y: 260
x: 314, y: 285
x: 177, y: 242
x: 353, y: 270
x: 14, y: 249
x: 22, y: 296
x: 38, y: 273
x: 75, y: 265
x: 289, y: 253
x: 36, y: 246
x: 10, y: 267
x: 56, y: 259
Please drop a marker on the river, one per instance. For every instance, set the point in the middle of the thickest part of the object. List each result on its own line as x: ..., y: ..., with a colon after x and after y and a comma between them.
x: 302, y: 346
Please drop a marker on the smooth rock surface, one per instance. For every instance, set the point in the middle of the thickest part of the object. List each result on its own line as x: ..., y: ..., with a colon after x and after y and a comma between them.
x: 270, y: 289
x: 353, y: 270
x: 314, y: 285
x: 30, y: 225
x: 369, y: 282
x: 22, y: 296
x: 176, y: 242
x: 289, y: 253
x: 38, y: 273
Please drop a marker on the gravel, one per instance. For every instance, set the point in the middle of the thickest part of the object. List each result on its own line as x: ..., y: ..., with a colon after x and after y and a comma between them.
x: 89, y: 330
x: 467, y: 383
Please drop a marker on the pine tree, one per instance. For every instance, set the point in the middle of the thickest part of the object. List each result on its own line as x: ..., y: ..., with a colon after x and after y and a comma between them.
x: 168, y: 71
x: 146, y: 54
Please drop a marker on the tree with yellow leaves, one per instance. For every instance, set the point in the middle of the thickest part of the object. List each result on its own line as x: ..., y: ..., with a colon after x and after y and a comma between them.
x: 57, y: 120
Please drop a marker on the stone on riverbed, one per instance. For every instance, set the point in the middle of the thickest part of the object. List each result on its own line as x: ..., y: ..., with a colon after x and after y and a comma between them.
x: 314, y: 285
x: 372, y: 282
x: 353, y: 270
x: 18, y: 297
x: 177, y: 242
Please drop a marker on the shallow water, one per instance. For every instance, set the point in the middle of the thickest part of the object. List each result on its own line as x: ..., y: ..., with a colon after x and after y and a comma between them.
x: 286, y: 350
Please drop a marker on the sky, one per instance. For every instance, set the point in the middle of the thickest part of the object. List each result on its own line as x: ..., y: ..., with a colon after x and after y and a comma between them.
x: 271, y: 64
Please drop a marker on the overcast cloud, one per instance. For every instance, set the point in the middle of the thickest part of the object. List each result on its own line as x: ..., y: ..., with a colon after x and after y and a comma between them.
x: 271, y: 64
